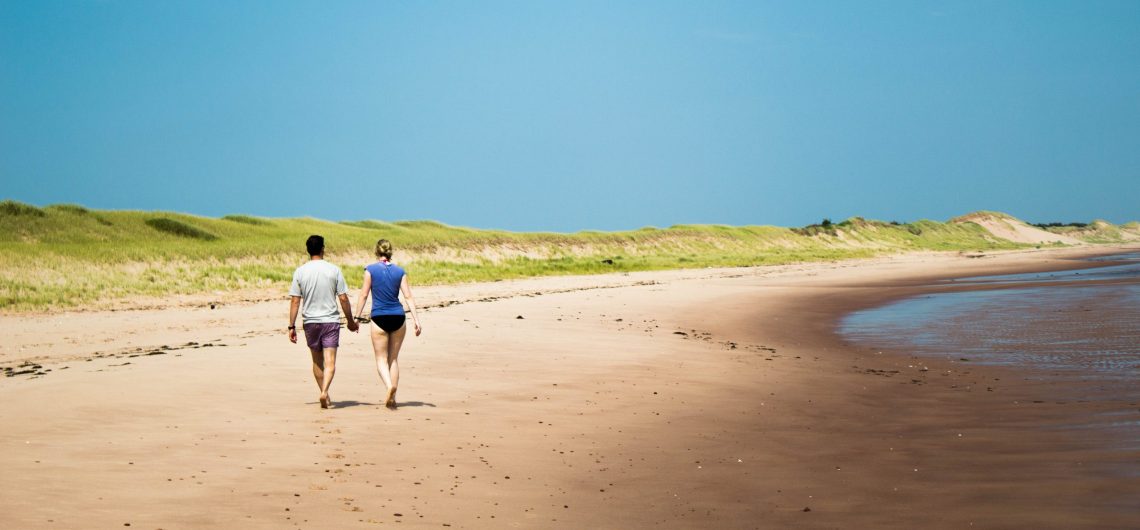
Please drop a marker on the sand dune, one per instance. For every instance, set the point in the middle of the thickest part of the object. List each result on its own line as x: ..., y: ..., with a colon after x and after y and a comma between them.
x: 1016, y: 230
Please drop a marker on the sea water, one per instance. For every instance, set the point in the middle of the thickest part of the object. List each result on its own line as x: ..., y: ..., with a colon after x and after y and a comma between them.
x: 1081, y: 324
x: 1056, y: 327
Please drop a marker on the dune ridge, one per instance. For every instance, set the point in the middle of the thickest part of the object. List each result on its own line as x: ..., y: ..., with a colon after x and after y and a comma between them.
x: 125, y: 255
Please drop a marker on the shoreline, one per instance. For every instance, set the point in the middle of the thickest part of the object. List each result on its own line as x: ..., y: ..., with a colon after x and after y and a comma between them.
x: 685, y: 398
x: 1054, y: 473
x: 987, y: 447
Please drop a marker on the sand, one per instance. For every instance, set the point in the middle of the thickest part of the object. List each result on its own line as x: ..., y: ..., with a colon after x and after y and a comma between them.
x: 716, y: 398
x: 1018, y: 231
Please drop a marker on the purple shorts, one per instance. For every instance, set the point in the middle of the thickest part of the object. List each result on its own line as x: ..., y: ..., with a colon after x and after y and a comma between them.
x: 323, y: 335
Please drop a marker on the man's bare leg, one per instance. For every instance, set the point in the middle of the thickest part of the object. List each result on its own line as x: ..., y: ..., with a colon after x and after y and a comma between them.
x: 326, y: 381
x: 324, y: 368
x: 318, y: 368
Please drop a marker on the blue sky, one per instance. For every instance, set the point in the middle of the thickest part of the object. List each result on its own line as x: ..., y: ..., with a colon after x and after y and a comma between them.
x: 541, y: 115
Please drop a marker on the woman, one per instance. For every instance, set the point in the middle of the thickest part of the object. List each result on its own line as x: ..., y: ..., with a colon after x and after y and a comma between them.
x: 385, y: 280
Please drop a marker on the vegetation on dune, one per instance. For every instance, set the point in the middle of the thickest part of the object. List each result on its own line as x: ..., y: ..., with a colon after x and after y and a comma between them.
x: 982, y: 214
x: 178, y: 228
x: 18, y: 209
x: 68, y: 255
x: 69, y: 208
x: 823, y: 227
x: 1047, y: 226
x: 245, y: 219
x: 1098, y: 231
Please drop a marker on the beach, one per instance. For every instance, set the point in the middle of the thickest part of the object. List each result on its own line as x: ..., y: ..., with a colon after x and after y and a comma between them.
x: 711, y: 398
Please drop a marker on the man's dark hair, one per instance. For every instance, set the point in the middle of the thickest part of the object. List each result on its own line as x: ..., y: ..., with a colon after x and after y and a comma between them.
x: 316, y: 245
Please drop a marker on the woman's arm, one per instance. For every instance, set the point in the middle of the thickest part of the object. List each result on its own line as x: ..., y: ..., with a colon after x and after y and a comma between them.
x: 365, y: 290
x: 407, y: 290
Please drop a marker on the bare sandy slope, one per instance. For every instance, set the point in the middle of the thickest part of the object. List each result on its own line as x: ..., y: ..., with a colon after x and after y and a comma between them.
x: 715, y: 398
x: 1019, y: 231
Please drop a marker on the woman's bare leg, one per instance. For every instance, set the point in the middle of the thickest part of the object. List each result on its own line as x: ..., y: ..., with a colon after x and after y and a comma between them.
x: 380, y: 349
x: 395, y: 340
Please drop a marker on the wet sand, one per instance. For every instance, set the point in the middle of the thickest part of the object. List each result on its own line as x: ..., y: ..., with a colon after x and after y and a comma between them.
x: 713, y: 398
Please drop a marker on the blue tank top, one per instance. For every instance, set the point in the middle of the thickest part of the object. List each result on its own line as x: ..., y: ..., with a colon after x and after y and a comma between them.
x: 386, y: 288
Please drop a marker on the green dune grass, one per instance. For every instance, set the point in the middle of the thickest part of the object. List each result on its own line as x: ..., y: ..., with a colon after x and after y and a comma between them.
x: 1097, y: 231
x: 67, y: 255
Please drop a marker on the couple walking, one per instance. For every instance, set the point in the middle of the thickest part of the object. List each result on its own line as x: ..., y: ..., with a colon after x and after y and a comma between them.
x: 317, y: 288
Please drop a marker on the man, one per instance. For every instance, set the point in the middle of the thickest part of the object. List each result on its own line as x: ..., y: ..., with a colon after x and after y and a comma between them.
x: 317, y: 286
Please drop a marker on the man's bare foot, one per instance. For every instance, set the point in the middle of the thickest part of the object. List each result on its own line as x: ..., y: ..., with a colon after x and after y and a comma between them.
x: 326, y: 402
x: 390, y: 400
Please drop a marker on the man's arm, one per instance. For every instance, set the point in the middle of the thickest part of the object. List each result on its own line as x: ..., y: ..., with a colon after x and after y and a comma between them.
x: 347, y: 307
x: 294, y: 305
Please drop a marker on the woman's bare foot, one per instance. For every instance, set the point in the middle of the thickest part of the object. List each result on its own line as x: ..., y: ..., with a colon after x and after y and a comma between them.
x: 390, y: 400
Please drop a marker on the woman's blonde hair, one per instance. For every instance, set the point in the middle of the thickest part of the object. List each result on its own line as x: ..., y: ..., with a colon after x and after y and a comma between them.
x: 384, y: 249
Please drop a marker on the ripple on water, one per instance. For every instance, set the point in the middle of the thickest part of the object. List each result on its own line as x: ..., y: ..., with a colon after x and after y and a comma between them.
x: 1083, y: 331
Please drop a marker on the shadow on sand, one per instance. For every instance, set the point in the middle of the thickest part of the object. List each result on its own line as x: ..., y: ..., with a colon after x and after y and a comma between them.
x: 354, y: 403
x: 414, y: 404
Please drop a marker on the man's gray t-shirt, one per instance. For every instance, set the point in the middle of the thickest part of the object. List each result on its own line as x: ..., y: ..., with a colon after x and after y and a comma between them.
x: 318, y: 283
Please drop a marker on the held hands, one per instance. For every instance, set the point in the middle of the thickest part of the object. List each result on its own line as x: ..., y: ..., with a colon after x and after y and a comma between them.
x: 352, y: 325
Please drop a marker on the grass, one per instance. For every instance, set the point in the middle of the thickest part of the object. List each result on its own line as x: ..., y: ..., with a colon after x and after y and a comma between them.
x: 178, y: 228
x: 1098, y: 231
x: 245, y: 219
x: 1047, y: 226
x: 69, y: 208
x: 18, y: 209
x: 70, y: 256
